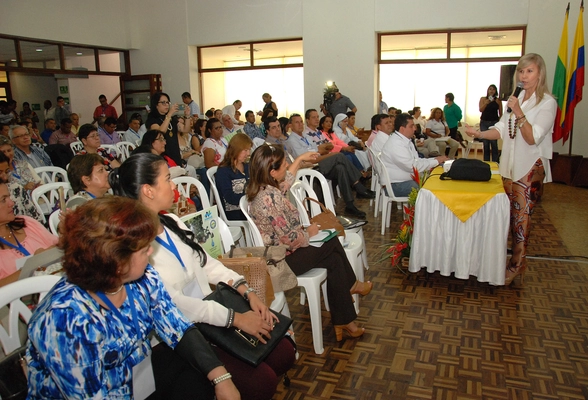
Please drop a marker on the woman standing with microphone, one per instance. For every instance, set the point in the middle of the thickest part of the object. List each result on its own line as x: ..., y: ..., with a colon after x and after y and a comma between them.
x: 491, y: 109
x: 526, y: 150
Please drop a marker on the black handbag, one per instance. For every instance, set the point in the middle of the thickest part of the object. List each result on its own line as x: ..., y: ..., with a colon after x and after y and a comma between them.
x: 238, y: 343
x: 465, y: 169
x: 13, y: 379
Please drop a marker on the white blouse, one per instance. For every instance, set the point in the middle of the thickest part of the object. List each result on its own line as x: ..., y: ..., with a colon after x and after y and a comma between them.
x: 176, y: 279
x: 518, y: 156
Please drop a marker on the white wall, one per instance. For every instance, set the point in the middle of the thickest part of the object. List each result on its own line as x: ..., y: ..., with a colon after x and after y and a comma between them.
x: 34, y: 89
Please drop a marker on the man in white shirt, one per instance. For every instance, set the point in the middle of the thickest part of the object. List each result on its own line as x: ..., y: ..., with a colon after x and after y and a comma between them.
x: 132, y: 134
x: 229, y: 128
x: 382, y: 127
x: 400, y: 157
x: 232, y: 109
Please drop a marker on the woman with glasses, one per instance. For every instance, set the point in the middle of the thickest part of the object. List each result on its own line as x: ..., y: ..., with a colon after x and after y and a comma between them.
x: 163, y: 118
x: 232, y: 175
x: 215, y: 147
x: 90, y: 138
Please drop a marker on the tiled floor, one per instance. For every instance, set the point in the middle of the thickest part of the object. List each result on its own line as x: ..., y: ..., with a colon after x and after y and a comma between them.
x: 435, y: 337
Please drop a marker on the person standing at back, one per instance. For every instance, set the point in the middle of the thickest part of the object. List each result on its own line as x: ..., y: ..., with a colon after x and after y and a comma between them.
x: 491, y: 109
x: 453, y: 116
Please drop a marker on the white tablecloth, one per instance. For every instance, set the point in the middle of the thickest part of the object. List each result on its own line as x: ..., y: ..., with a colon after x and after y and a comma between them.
x: 441, y: 242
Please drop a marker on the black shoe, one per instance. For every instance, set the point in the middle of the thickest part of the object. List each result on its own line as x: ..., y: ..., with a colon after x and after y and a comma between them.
x: 368, y: 194
x: 354, y: 211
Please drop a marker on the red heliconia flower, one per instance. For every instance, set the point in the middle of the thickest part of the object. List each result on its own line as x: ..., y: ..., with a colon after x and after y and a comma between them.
x: 415, y: 176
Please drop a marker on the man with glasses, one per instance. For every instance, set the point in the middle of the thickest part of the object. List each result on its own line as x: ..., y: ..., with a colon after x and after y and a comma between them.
x: 104, y: 110
x: 24, y: 151
x: 63, y: 135
x: 107, y: 131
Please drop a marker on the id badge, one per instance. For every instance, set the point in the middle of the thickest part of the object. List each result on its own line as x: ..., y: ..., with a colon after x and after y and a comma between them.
x: 193, y: 289
x: 143, y: 380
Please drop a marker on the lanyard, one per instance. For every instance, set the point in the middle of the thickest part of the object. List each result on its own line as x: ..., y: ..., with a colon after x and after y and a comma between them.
x: 170, y: 246
x: 304, y: 140
x: 115, y: 310
x: 89, y: 194
x: 17, y: 176
x: 18, y: 247
x: 221, y: 142
x: 135, y: 133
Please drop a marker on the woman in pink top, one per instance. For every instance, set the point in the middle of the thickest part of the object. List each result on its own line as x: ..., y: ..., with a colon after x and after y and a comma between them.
x: 19, y: 236
x: 326, y: 128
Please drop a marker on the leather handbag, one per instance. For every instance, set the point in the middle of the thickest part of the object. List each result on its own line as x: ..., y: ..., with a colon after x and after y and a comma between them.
x: 465, y: 169
x: 234, y: 341
x: 275, y: 257
x: 13, y: 375
x: 326, y: 219
x: 253, y: 267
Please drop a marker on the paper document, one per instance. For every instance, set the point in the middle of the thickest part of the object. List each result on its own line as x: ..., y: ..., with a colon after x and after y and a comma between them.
x: 323, y: 236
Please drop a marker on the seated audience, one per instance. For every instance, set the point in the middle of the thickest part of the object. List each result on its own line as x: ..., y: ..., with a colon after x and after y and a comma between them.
x: 5, y: 130
x: 92, y: 328
x: 20, y: 236
x: 326, y: 131
x: 344, y: 133
x: 75, y: 123
x: 232, y: 110
x: 399, y: 157
x: 132, y: 134
x: 49, y: 129
x: 90, y: 138
x: 382, y: 127
x: 63, y: 135
x: 232, y: 175
x: 251, y: 129
x: 438, y: 131
x: 25, y: 151
x: 268, y: 112
x: 107, y: 131
x: 279, y: 223
x: 187, y: 272
x: 88, y: 176
x: 215, y: 146
x: 333, y: 166
x: 23, y: 204
x: 351, y: 124
x: 230, y: 129
x: 189, y: 154
x: 28, y: 113
x: 20, y: 171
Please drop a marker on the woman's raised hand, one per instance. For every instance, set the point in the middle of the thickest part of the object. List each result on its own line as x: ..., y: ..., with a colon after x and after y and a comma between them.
x: 470, y: 130
x: 309, y: 156
x: 173, y: 108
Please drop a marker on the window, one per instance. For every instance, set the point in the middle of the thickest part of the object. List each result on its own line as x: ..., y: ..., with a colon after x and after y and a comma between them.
x: 39, y: 55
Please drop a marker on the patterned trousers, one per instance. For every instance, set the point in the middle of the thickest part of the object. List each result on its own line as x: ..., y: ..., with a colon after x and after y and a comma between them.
x: 523, y: 195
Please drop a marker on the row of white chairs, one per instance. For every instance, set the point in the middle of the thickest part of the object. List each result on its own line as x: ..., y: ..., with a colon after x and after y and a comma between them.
x: 121, y: 149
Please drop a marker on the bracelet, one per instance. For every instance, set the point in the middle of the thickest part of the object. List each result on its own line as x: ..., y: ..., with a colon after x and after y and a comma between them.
x: 521, y: 117
x: 240, y: 282
x: 221, y: 378
x: 230, y: 318
x: 481, y: 135
x: 246, y: 294
x: 167, y: 117
x: 522, y: 123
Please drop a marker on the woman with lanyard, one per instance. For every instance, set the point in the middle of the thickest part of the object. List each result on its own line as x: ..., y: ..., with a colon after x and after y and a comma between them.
x: 90, y: 138
x: 20, y: 236
x: 162, y: 117
x: 88, y: 177
x: 215, y: 147
x: 21, y: 171
x: 187, y: 273
x: 90, y: 333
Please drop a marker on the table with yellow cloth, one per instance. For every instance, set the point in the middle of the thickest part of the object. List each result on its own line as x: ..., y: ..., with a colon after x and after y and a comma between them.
x: 461, y: 227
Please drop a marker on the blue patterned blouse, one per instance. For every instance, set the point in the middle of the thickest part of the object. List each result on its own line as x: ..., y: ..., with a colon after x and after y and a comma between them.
x: 78, y: 349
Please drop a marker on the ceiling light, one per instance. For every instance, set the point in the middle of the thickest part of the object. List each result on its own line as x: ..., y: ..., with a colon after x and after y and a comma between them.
x: 13, y: 60
x: 78, y: 54
x: 496, y: 37
x: 39, y: 50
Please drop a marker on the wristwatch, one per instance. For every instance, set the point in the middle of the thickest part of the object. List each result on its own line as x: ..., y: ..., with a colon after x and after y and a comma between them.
x: 246, y: 293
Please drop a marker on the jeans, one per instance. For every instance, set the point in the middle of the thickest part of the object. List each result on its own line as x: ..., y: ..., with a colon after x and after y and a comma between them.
x: 403, y: 189
x: 490, y: 146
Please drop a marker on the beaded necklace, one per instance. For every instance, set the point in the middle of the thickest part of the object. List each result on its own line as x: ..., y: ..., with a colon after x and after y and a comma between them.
x: 511, y: 133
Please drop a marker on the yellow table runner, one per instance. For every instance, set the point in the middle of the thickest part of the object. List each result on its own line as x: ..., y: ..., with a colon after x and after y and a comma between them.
x: 464, y: 198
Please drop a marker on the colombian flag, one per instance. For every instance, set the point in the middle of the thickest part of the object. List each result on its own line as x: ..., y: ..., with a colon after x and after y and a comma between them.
x: 559, y: 81
x: 575, y: 75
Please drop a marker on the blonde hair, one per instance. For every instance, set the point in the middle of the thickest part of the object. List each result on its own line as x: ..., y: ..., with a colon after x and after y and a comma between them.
x: 524, y: 62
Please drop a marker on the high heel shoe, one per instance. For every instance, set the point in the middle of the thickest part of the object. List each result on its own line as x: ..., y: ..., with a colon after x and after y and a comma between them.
x: 362, y: 288
x: 339, y: 329
x: 512, y: 271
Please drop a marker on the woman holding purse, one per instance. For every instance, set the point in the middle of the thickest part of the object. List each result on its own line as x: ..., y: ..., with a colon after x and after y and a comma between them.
x: 279, y: 223
x: 187, y: 273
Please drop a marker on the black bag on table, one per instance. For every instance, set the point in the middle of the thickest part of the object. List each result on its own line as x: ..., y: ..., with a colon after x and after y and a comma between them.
x: 234, y: 341
x: 465, y: 169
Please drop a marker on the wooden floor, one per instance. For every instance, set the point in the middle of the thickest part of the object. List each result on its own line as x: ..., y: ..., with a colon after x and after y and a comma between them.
x: 435, y: 337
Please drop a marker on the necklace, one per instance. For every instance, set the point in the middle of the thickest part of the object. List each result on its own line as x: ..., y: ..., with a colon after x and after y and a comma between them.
x: 115, y: 292
x: 512, y: 133
x: 9, y: 233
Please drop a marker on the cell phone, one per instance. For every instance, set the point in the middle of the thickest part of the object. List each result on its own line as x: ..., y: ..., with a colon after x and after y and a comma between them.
x: 181, y: 107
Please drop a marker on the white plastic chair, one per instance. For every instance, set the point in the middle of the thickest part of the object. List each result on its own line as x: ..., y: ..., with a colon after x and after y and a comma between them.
x: 52, y: 174
x: 352, y: 243
x: 54, y: 222
x: 39, y: 145
x: 124, y: 150
x: 76, y: 146
x: 10, y: 295
x: 310, y: 281
x: 46, y: 196
x: 387, y: 195
x: 121, y: 135
x: 375, y: 181
x: 215, y: 196
x: 111, y: 148
x: 309, y: 175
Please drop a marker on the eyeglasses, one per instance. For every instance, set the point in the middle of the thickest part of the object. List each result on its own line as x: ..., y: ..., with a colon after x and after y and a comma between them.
x: 161, y: 139
x: 165, y: 103
x: 95, y: 136
x: 19, y: 136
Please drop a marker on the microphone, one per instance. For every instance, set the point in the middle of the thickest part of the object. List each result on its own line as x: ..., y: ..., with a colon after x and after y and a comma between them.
x: 516, y: 93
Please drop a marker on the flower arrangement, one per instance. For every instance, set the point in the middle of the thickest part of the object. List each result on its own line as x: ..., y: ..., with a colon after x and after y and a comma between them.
x: 401, y: 244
